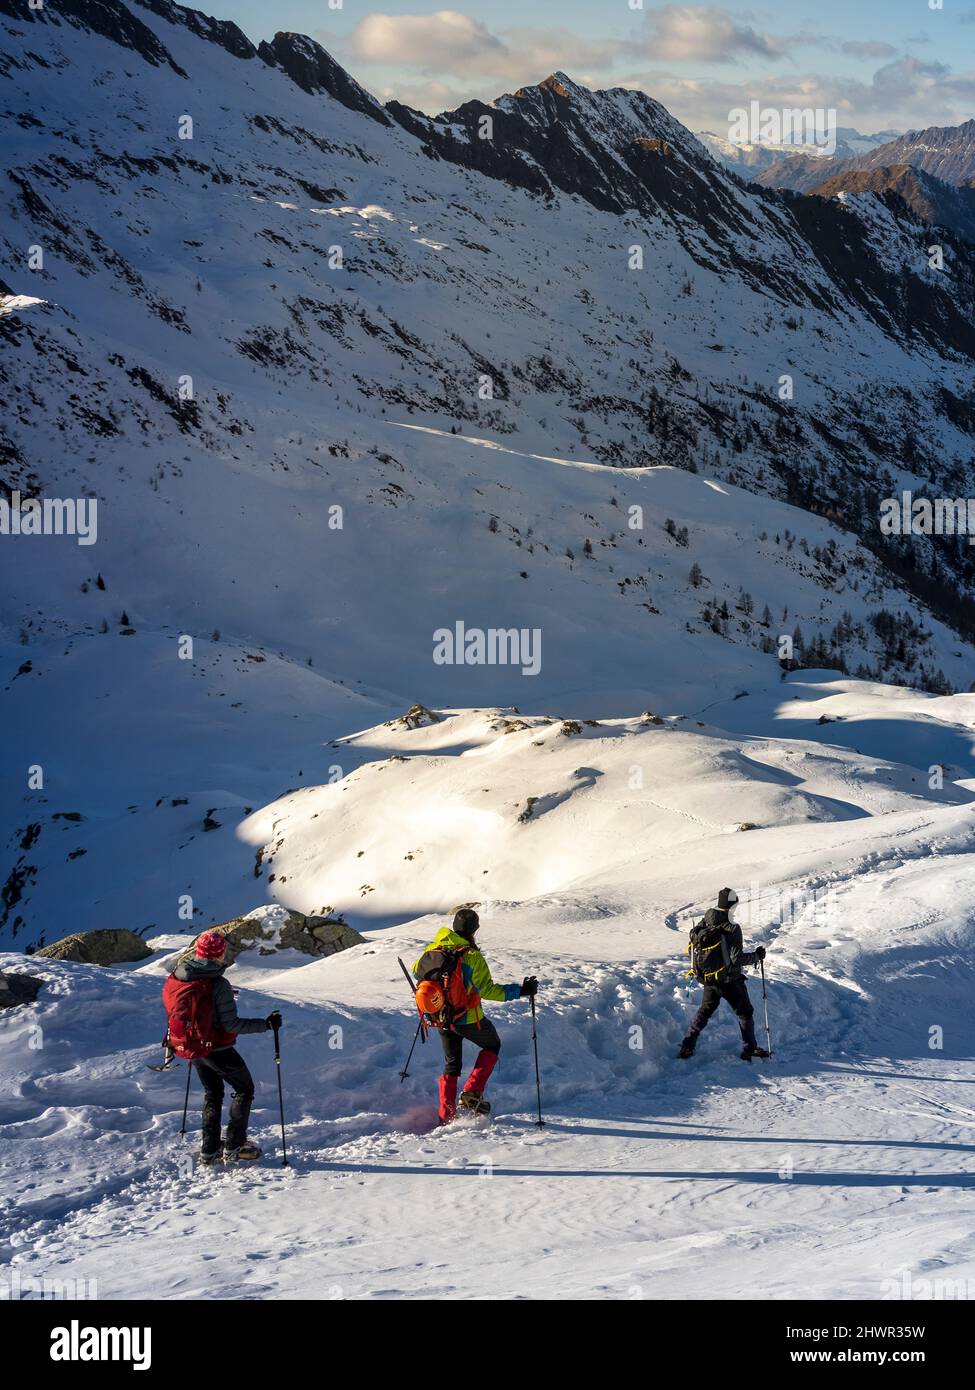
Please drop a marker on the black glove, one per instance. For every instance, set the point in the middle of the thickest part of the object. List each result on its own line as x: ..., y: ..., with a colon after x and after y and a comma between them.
x: 759, y: 953
x: 274, y: 1020
x: 529, y: 987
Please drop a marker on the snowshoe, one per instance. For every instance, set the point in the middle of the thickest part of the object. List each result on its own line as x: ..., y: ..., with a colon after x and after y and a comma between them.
x: 474, y: 1102
x: 247, y: 1153
x: 208, y: 1159
x: 749, y: 1052
x: 686, y: 1049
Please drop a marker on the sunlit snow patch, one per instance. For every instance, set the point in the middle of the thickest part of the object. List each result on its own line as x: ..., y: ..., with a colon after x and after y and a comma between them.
x: 12, y: 303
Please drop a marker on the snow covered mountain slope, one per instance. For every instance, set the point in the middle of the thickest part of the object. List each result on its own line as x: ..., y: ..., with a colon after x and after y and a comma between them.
x: 839, y: 1170
x: 619, y: 630
x: 350, y: 384
x: 945, y: 152
x: 774, y: 162
x: 252, y: 348
x: 744, y: 157
x: 209, y: 258
x: 499, y: 806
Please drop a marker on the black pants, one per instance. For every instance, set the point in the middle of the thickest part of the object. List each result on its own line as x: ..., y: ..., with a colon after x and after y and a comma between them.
x: 225, y: 1065
x: 483, y: 1035
x: 736, y: 994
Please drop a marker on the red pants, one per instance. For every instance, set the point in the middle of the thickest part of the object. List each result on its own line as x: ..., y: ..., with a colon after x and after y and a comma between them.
x: 485, y: 1036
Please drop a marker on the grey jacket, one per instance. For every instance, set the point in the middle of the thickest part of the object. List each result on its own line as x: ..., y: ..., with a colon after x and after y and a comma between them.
x: 224, y: 1003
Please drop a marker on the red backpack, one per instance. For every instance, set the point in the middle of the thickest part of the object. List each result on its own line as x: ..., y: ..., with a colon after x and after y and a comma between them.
x: 441, y: 996
x: 193, y: 1028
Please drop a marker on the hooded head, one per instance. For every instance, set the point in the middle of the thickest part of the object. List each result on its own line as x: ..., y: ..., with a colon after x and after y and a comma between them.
x: 727, y: 899
x: 466, y: 923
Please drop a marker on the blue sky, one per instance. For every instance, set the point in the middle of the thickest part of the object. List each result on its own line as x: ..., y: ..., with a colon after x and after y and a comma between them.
x: 882, y: 64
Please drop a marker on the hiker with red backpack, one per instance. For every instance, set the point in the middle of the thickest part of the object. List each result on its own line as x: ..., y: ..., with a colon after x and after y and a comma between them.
x: 453, y: 979
x: 203, y: 1027
x: 718, y: 961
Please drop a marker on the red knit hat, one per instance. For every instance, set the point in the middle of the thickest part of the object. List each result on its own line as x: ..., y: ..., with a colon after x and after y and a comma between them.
x: 211, y: 945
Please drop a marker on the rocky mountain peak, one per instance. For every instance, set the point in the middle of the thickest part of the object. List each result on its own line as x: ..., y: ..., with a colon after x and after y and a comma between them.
x: 314, y: 70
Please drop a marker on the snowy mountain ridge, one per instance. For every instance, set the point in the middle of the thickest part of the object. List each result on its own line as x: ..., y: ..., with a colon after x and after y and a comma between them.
x: 944, y: 152
x: 745, y: 155
x: 947, y: 152
x: 300, y: 323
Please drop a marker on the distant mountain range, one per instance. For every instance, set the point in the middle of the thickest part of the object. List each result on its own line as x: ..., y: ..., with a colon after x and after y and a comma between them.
x: 947, y: 152
x: 932, y: 171
x: 759, y: 157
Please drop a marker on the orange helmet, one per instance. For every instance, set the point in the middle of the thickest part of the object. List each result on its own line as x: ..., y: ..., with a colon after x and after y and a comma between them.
x: 430, y: 997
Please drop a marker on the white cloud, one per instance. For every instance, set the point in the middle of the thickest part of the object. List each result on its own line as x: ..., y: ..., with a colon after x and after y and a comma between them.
x: 909, y: 77
x: 544, y: 51
x: 448, y: 44
x: 446, y: 40
x: 705, y: 34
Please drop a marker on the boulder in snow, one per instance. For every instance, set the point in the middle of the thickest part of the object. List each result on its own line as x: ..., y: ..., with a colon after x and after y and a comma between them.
x: 108, y: 946
x: 18, y: 989
x: 416, y: 717
x: 268, y: 930
x: 511, y: 726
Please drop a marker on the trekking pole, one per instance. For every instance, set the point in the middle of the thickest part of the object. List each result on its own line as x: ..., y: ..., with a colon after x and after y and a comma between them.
x: 420, y: 1033
x: 539, y: 1123
x: 186, y: 1102
x: 277, y: 1063
x: 406, y: 1070
x: 768, y: 1033
x: 423, y: 1031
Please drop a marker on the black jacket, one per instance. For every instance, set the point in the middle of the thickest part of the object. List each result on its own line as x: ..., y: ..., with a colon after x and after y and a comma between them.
x: 732, y: 946
x: 224, y: 1004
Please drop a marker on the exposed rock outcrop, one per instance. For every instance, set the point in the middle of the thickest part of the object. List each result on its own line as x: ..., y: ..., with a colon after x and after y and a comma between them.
x: 314, y: 70
x: 268, y: 930
x: 18, y: 989
x: 108, y: 946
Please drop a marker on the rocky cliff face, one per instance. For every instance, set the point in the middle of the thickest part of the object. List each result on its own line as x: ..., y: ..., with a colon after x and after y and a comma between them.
x: 316, y: 72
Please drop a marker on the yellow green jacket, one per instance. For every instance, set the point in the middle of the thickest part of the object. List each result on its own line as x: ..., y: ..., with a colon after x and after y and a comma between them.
x: 476, y: 973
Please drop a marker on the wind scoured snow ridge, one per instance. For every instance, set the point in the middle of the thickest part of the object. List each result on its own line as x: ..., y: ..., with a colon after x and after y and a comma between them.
x: 499, y: 805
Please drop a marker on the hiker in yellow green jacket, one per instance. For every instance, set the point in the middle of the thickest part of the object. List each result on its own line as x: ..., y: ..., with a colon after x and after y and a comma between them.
x: 452, y: 955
